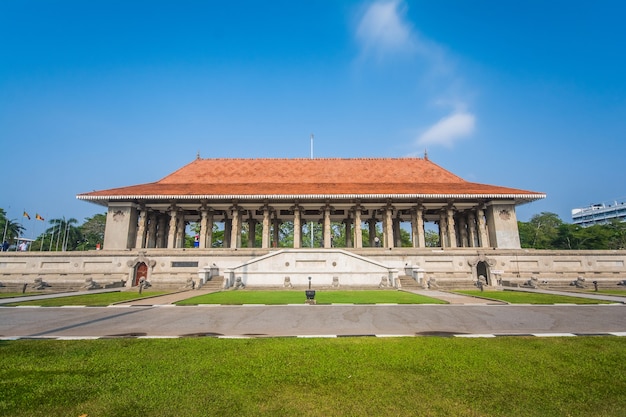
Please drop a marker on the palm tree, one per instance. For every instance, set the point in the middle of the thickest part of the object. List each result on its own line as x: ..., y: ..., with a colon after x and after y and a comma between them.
x: 64, y: 235
x: 10, y: 229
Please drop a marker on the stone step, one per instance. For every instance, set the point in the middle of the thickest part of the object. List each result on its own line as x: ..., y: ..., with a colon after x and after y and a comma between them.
x: 409, y: 283
x: 215, y: 283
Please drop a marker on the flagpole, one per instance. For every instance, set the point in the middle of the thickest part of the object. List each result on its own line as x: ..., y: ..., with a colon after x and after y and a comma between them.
x: 311, y: 223
x: 52, y: 237
x: 6, y: 225
x: 65, y: 236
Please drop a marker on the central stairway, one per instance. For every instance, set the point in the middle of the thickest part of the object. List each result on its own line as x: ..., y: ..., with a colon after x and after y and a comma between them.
x: 408, y: 283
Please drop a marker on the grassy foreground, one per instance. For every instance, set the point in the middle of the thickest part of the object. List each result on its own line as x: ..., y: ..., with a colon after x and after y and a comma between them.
x: 298, y: 297
x: 584, y: 376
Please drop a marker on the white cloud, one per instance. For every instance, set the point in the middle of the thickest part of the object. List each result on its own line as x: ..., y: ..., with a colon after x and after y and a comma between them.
x: 384, y: 33
x: 383, y: 29
x: 449, y: 129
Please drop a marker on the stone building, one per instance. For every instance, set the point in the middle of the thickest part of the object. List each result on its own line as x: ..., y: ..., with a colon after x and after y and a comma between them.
x: 358, y: 194
x: 245, y: 206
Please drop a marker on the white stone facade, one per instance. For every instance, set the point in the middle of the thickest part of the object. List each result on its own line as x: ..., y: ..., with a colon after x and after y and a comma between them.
x: 257, y: 268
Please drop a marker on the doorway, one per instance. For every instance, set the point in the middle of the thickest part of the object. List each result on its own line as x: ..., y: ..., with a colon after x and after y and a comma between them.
x: 483, y: 269
x: 141, y: 273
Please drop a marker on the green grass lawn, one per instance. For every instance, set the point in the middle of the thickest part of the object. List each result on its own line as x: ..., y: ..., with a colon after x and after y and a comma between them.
x: 94, y: 300
x: 298, y: 297
x: 508, y: 376
x: 515, y: 297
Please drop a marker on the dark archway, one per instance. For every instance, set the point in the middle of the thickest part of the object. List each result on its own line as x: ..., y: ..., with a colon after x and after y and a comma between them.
x: 483, y: 269
x: 141, y: 273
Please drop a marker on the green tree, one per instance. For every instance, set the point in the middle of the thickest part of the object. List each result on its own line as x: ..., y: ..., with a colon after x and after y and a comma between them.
x: 432, y: 239
x: 63, y: 235
x: 541, y: 231
x: 92, y: 231
x: 617, y: 231
x: 10, y: 229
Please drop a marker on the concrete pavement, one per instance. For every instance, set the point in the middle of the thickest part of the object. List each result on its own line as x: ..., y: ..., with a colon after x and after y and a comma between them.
x: 464, y: 316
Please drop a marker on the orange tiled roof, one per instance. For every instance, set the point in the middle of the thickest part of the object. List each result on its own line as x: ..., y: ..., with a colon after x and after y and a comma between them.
x: 290, y: 177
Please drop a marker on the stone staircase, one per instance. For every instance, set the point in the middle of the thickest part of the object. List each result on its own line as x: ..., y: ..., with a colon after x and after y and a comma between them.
x: 408, y: 283
x: 216, y: 283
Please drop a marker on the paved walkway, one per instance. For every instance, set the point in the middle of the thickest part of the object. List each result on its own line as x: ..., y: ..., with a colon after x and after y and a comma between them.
x: 53, y: 295
x: 167, y: 298
x: 448, y: 297
x: 591, y: 296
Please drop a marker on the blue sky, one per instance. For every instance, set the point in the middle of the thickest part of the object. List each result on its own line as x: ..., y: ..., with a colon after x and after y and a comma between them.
x: 101, y: 94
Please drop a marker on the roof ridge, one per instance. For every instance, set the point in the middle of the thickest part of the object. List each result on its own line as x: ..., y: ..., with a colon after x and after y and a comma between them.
x: 365, y: 158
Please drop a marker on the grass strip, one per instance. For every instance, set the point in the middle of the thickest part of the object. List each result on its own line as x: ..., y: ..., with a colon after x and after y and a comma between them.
x: 92, y: 300
x: 508, y: 376
x: 298, y: 297
x: 516, y: 297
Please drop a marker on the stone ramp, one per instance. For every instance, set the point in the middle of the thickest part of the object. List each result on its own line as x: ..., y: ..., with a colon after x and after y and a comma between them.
x: 54, y: 295
x: 168, y: 298
x: 452, y: 298
x: 579, y: 294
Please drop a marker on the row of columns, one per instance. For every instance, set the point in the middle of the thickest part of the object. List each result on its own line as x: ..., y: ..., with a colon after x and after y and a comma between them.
x: 456, y: 229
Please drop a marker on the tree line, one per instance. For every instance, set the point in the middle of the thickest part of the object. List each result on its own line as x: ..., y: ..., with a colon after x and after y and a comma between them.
x: 61, y: 235
x: 547, y: 231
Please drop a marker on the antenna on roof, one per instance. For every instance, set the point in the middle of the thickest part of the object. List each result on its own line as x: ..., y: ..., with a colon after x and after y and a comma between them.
x: 198, y: 155
x: 312, y: 136
x: 425, y: 154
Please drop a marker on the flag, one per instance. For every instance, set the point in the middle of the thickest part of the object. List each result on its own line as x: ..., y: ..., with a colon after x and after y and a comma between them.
x: 38, y: 217
x: 26, y: 215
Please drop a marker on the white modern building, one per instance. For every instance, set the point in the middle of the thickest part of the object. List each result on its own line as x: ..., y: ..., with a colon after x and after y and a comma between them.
x: 599, y: 214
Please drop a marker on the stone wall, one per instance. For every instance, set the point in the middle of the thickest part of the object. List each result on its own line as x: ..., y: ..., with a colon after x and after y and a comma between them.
x: 171, y: 268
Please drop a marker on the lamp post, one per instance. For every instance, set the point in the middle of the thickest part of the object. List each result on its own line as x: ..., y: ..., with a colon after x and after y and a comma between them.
x: 310, y: 294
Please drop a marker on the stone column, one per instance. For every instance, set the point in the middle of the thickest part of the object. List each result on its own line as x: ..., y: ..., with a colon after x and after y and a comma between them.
x: 162, y: 232
x: 327, y: 230
x: 348, y: 223
x: 421, y: 237
x: 471, y: 228
x: 251, y: 232
x: 414, y: 234
x: 171, y: 236
x: 502, y: 225
x: 451, y: 228
x: 235, y: 231
x: 358, y: 235
x: 297, y: 228
x: 209, y: 230
x: 206, y: 229
x: 463, y: 231
x: 397, y: 235
x: 388, y: 228
x: 372, y: 231
x: 482, y: 228
x: 276, y: 229
x: 265, y: 239
x: 180, y: 231
x: 228, y: 228
x: 121, y: 226
x: 152, y: 230
x: 142, y: 224
x: 443, y: 229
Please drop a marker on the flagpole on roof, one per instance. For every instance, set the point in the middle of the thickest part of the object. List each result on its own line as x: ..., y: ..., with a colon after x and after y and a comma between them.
x: 311, y: 223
